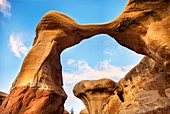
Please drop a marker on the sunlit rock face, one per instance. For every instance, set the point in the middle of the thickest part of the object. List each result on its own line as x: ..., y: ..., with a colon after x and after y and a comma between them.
x: 146, y: 89
x: 143, y: 27
x: 97, y: 95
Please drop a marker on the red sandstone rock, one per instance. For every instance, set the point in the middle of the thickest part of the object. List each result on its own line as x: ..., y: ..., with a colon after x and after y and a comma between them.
x: 27, y: 100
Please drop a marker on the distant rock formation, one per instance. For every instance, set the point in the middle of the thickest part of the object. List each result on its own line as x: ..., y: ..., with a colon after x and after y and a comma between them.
x: 97, y: 95
x: 143, y: 27
x: 2, y: 96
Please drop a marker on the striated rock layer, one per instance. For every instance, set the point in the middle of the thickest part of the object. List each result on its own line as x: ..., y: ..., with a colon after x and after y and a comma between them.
x: 27, y: 100
x: 143, y: 27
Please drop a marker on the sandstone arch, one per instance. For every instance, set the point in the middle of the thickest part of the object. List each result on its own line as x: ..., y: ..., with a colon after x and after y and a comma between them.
x: 143, y: 27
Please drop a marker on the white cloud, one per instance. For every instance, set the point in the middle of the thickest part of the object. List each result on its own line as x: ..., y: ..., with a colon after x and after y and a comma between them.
x: 82, y: 71
x: 85, y: 72
x: 5, y: 8
x: 70, y: 61
x: 17, y: 45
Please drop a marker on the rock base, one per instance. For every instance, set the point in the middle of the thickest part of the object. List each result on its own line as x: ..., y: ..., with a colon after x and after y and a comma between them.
x: 27, y: 100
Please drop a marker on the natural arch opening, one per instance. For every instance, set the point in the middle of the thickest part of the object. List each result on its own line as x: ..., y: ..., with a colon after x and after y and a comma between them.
x: 95, y: 58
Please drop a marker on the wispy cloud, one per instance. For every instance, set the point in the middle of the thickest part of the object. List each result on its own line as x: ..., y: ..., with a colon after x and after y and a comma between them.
x: 5, y: 8
x: 17, y: 45
x: 70, y: 61
x: 85, y: 72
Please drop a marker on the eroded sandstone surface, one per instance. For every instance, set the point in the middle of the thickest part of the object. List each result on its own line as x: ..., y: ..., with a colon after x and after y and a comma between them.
x: 27, y: 100
x: 143, y: 27
x: 146, y: 89
x: 97, y: 95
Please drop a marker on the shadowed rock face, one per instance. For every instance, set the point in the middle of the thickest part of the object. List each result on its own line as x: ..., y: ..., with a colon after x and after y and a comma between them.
x: 65, y: 112
x: 2, y: 96
x: 96, y: 95
x: 143, y: 27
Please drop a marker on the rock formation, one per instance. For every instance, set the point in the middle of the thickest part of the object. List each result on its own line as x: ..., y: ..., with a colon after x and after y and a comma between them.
x: 143, y: 27
x: 146, y: 90
x: 2, y: 96
x: 39, y: 81
x: 97, y: 95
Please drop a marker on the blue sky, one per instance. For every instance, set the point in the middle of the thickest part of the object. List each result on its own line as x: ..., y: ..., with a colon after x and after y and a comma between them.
x: 98, y: 57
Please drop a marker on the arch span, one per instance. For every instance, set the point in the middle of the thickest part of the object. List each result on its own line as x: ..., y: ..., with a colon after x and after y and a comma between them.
x: 142, y: 27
